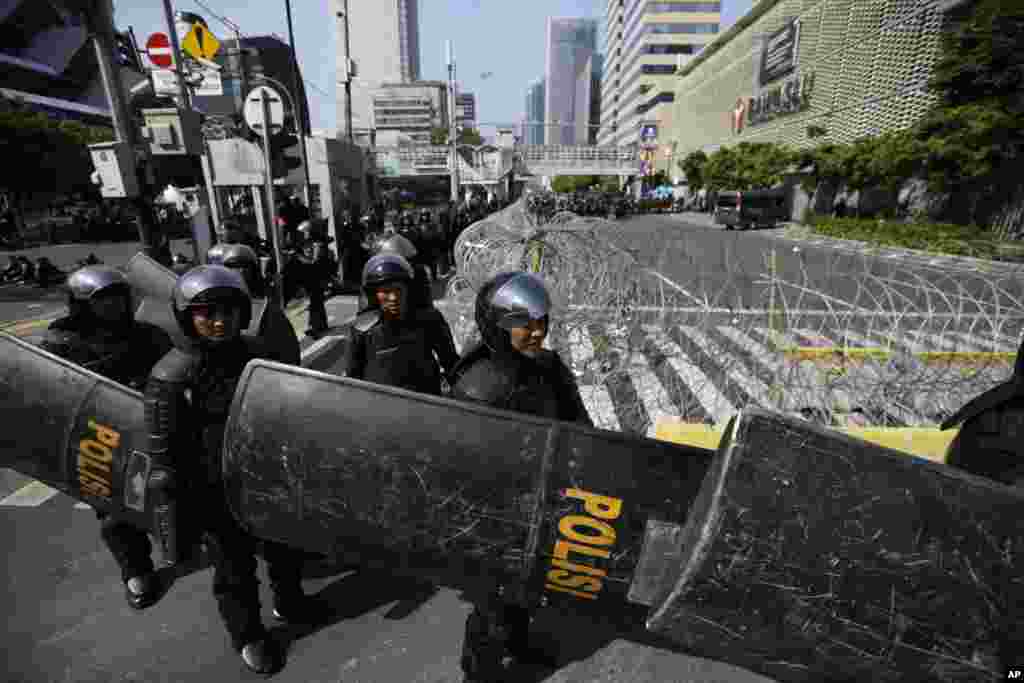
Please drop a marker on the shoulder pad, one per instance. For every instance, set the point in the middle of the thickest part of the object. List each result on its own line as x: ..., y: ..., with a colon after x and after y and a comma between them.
x: 992, y: 398
x: 176, y: 366
x: 365, y: 321
x: 485, y: 382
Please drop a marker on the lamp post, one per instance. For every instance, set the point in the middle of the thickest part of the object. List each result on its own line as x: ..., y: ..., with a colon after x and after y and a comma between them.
x: 451, y: 124
x: 297, y: 105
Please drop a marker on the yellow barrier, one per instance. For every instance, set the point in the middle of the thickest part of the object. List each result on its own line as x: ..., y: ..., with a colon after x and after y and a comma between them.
x: 923, y: 442
x: 838, y: 352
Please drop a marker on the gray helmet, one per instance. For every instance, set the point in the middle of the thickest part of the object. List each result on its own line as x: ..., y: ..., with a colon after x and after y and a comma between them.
x: 397, y: 244
x: 90, y: 281
x: 206, y: 285
x: 232, y: 256
x: 508, y: 300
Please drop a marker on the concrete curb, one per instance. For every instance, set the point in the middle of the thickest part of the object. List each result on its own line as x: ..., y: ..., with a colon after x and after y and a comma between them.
x: 923, y: 442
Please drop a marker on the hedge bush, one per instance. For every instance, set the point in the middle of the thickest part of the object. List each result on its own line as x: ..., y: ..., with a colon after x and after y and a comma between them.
x: 940, y: 238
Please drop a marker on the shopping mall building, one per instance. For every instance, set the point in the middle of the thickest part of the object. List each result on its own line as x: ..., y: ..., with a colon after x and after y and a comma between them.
x: 852, y: 67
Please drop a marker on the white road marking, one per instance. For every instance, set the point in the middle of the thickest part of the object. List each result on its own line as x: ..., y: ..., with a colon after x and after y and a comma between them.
x: 30, y: 495
x: 595, y: 396
x: 715, y: 404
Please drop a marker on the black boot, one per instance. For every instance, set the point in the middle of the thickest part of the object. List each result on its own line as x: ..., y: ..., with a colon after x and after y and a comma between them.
x: 142, y: 591
x: 262, y: 656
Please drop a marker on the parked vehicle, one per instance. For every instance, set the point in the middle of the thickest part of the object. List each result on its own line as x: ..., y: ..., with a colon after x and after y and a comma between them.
x: 749, y: 209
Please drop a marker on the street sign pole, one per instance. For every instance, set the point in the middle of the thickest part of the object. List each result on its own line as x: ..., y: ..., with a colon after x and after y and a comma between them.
x: 178, y: 70
x: 275, y: 237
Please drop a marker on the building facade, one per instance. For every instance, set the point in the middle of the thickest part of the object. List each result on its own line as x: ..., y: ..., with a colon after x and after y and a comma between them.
x: 533, y: 127
x: 384, y: 42
x: 646, y: 42
x: 851, y: 67
x: 570, y: 46
x: 406, y: 113
x: 48, y: 62
x: 465, y: 110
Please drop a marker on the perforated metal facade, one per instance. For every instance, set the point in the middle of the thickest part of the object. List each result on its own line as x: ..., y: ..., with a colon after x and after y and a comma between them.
x: 870, y: 60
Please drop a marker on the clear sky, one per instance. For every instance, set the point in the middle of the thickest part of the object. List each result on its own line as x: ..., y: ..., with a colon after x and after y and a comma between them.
x: 501, y: 37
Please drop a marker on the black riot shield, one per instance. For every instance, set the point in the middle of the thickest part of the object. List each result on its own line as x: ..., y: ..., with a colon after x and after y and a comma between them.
x: 73, y: 430
x: 813, y: 556
x: 270, y: 324
x: 153, y: 285
x: 432, y: 487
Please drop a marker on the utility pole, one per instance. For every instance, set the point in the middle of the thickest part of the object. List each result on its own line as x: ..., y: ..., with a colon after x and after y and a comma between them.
x: 452, y: 141
x: 179, y: 72
x: 348, y: 81
x: 300, y: 109
x: 100, y: 22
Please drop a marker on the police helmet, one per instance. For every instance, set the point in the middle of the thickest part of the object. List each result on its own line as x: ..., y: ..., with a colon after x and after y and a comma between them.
x: 386, y: 268
x: 314, y: 228
x: 508, y: 300
x: 91, y: 281
x: 230, y: 232
x: 207, y: 285
x: 397, y: 244
x: 232, y: 256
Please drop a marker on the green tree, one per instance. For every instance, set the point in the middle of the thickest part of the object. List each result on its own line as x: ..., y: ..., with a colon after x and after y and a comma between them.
x: 762, y: 165
x: 981, y: 57
x: 42, y: 155
x: 574, y: 183
x: 467, y: 136
x: 692, y: 167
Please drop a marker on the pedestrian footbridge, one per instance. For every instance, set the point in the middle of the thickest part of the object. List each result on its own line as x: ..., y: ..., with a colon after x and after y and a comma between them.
x: 489, y: 164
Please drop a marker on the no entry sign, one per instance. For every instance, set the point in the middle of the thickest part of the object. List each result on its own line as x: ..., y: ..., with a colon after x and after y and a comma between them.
x: 158, y: 47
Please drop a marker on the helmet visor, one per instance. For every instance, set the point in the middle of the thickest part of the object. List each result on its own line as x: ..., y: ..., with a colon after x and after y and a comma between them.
x: 520, y: 300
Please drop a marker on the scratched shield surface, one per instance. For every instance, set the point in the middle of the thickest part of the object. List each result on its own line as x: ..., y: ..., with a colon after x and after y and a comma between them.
x: 326, y: 463
x: 811, y: 555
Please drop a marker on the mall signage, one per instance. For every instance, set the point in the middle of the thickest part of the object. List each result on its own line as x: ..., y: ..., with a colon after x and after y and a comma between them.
x: 778, y: 56
x: 786, y: 98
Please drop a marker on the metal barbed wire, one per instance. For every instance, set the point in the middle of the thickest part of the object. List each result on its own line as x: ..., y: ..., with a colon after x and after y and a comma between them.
x: 700, y: 352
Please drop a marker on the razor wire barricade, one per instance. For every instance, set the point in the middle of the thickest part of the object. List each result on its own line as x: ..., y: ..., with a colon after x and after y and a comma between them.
x: 896, y: 348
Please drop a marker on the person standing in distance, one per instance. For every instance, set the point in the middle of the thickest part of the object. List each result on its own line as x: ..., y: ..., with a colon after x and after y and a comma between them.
x: 100, y: 334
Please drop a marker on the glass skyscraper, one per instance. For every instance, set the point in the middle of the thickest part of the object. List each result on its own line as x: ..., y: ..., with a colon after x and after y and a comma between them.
x: 570, y: 46
x: 533, y: 133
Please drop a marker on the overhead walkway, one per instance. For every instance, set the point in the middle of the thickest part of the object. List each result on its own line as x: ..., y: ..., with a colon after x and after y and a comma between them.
x: 488, y: 164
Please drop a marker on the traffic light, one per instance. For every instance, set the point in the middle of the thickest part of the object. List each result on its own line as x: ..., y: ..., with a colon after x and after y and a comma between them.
x: 285, y: 155
x: 124, y: 51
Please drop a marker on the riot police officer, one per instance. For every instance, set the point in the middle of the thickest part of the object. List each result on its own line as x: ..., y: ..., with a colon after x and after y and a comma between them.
x: 509, y: 369
x: 422, y: 290
x: 100, y: 333
x: 187, y: 399
x: 268, y: 320
x: 393, y: 341
x: 315, y: 260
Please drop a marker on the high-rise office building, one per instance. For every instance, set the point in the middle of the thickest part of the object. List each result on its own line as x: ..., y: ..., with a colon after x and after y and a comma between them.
x: 645, y: 43
x: 570, y: 45
x: 384, y: 41
x: 533, y: 129
x: 465, y: 110
x: 407, y: 113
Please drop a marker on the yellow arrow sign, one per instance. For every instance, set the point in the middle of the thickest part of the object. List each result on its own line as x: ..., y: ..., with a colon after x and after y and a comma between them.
x: 200, y: 43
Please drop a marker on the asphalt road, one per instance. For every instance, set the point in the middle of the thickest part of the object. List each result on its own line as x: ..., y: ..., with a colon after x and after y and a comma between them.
x: 732, y: 270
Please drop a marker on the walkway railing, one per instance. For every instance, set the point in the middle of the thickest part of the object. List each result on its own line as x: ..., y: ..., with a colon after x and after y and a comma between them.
x: 490, y: 165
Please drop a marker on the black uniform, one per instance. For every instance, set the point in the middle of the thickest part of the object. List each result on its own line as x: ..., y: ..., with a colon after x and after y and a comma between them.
x: 315, y: 263
x: 197, y: 386
x: 541, y: 386
x: 410, y: 354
